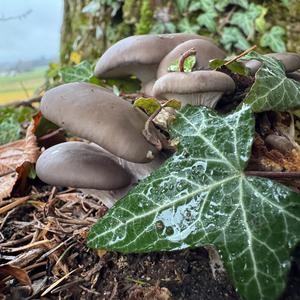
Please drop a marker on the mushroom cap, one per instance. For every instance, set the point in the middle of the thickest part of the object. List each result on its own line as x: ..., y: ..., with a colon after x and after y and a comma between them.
x: 205, y: 51
x: 101, y: 117
x: 196, y: 88
x: 290, y: 60
x: 81, y: 165
x: 294, y: 75
x: 126, y: 56
x: 193, y: 82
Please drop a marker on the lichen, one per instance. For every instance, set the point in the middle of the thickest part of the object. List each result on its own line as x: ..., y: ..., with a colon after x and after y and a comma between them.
x: 146, y: 18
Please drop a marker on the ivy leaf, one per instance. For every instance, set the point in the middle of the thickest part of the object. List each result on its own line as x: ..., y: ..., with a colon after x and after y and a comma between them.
x: 274, y: 39
x: 9, y: 131
x: 272, y: 90
x: 201, y: 196
x: 235, y: 66
x: 173, y: 103
x: 188, y: 65
x: 233, y: 37
x: 260, y: 22
x: 149, y: 105
x: 81, y: 72
x: 246, y: 20
x: 207, y: 20
x: 222, y: 4
x: 185, y: 26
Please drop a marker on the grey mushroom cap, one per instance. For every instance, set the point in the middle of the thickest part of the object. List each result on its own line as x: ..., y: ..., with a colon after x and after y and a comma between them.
x: 80, y: 165
x: 294, y: 75
x: 101, y: 117
x: 290, y: 60
x: 195, y: 88
x: 139, y: 55
x: 205, y: 51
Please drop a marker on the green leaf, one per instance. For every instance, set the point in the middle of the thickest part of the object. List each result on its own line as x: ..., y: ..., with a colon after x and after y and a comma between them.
x: 222, y: 4
x: 207, y: 20
x: 272, y: 90
x: 10, y: 122
x: 235, y: 66
x: 185, y: 26
x: 274, y: 39
x: 81, y: 72
x: 149, y: 105
x: 188, y: 65
x: 182, y: 5
x: 233, y: 37
x: 194, y: 6
x: 201, y: 196
x: 173, y: 103
x: 216, y: 63
x: 260, y: 22
x: 126, y: 85
x: 9, y: 131
x: 246, y: 20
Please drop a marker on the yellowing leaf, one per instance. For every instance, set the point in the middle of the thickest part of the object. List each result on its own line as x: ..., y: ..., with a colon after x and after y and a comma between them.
x: 149, y: 105
x: 75, y: 57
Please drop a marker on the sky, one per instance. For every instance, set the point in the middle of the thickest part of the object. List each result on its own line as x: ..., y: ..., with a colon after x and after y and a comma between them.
x: 34, y: 36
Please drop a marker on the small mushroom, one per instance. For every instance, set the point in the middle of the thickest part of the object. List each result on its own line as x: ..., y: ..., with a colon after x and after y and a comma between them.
x: 80, y: 165
x: 294, y: 75
x: 101, y: 117
x: 137, y: 171
x: 280, y: 143
x: 195, y: 88
x: 139, y: 55
x: 205, y: 51
x: 290, y: 60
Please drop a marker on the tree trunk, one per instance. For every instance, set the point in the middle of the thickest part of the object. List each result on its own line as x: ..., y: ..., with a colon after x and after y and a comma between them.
x: 91, y: 26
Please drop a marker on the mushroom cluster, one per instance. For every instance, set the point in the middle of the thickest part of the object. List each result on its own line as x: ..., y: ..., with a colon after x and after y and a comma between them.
x: 118, y: 154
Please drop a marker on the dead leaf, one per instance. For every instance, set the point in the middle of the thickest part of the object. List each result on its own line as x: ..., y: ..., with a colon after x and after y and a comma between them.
x: 18, y: 273
x: 16, y: 159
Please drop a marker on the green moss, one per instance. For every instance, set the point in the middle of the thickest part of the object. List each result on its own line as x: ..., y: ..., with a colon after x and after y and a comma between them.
x: 146, y: 18
x: 131, y: 11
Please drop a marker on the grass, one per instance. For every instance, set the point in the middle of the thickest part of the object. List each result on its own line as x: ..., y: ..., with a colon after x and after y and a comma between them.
x: 21, y: 86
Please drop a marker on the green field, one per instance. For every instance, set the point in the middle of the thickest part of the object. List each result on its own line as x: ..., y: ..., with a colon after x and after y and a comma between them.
x: 22, y: 85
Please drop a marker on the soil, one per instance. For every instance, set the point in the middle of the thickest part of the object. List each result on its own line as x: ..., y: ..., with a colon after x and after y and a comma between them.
x: 184, y: 274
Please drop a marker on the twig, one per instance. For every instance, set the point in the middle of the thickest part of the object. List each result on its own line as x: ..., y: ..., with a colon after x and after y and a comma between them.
x: 273, y: 174
x: 18, y: 103
x: 226, y: 19
x: 20, y: 201
x: 19, y: 17
x: 240, y: 55
x: 184, y: 56
x: 28, y: 246
x: 56, y: 283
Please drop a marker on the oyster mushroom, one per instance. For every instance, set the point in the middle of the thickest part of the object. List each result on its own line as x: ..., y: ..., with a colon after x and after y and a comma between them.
x: 290, y: 60
x: 205, y: 51
x: 139, y: 55
x: 101, y: 117
x: 294, y: 75
x: 80, y: 165
x: 195, y: 88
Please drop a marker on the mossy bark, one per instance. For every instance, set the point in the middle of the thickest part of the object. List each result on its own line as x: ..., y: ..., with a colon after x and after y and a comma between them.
x: 91, y: 34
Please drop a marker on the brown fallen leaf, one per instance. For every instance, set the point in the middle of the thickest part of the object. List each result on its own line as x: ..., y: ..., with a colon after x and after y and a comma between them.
x: 16, y: 159
x: 18, y: 273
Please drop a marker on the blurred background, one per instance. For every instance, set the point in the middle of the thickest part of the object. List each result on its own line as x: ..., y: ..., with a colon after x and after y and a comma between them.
x: 41, y: 38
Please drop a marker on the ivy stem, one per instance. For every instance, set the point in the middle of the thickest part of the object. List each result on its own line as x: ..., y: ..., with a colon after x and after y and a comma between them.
x: 184, y: 56
x: 158, y: 143
x: 240, y: 55
x: 273, y: 174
